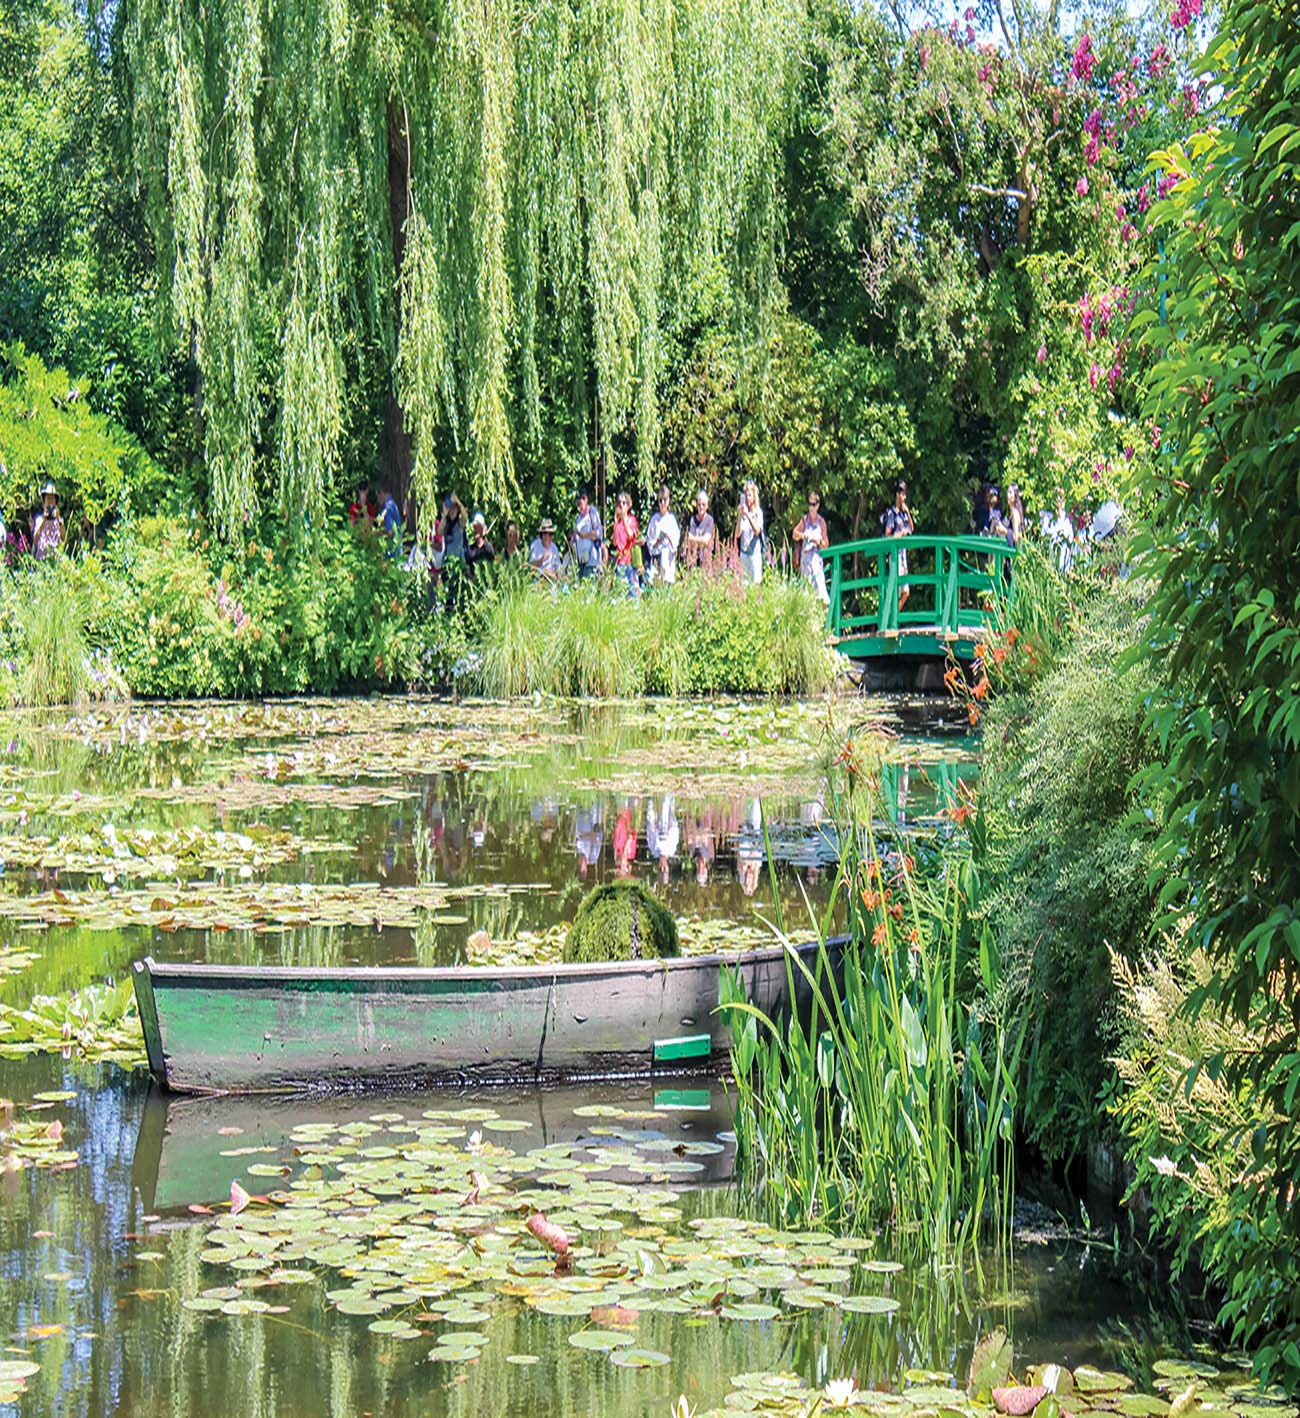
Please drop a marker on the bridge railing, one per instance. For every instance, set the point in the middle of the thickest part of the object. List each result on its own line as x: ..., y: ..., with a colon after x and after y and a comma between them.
x: 951, y: 582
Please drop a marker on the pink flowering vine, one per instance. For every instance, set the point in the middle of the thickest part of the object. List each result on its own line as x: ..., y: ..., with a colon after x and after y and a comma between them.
x: 1085, y: 57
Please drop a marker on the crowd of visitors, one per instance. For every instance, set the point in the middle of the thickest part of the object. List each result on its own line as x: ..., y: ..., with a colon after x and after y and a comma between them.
x: 643, y: 558
x: 640, y: 558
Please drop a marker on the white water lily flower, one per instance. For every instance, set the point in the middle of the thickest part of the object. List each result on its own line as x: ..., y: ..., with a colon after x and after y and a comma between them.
x: 682, y: 1409
x: 841, y: 1392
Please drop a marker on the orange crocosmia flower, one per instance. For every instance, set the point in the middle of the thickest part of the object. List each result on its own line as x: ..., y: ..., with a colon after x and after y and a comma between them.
x: 999, y: 654
x: 979, y: 652
x: 981, y: 688
x: 896, y: 910
x: 1012, y: 635
x: 974, y: 714
x: 870, y: 899
x: 880, y: 935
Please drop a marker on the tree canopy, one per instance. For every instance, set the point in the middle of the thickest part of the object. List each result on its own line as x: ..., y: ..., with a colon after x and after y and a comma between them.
x: 463, y: 205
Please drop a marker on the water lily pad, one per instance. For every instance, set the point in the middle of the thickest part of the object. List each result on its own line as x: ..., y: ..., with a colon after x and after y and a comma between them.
x: 1090, y: 1381
x: 638, y: 1358
x: 751, y: 1311
x: 601, y: 1340
x: 869, y: 1304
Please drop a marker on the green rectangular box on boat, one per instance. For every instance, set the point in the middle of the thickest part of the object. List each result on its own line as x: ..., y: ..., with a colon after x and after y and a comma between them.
x: 689, y: 1046
x: 682, y: 1099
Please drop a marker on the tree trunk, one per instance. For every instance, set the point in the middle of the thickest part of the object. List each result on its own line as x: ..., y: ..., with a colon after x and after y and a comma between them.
x: 395, y: 453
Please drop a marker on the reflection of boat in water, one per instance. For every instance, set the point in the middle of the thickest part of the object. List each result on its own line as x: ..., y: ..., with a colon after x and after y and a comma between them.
x: 217, y: 1028
x: 188, y: 1149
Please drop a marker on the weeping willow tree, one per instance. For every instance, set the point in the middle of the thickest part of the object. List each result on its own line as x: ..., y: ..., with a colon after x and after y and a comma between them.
x: 477, y: 205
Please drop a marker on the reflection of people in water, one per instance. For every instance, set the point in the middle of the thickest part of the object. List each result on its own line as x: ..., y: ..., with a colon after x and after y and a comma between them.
x: 904, y: 775
x: 702, y: 844
x: 589, y: 835
x: 749, y: 849
x: 663, y: 834
x: 624, y: 842
x: 546, y: 816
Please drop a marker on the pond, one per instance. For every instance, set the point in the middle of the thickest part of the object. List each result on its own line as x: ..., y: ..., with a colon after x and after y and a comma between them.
x: 391, y: 1272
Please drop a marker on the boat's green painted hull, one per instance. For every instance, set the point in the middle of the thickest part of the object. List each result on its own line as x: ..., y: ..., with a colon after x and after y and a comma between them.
x: 212, y: 1028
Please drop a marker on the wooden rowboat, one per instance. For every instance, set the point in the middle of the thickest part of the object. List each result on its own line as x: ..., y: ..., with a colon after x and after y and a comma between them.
x: 244, y: 1029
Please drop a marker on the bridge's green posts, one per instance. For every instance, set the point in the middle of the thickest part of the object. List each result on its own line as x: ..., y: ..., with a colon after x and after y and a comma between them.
x: 954, y: 584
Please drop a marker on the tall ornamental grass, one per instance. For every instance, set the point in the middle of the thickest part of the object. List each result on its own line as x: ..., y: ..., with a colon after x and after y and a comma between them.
x: 53, y: 621
x: 701, y: 635
x: 888, y: 1098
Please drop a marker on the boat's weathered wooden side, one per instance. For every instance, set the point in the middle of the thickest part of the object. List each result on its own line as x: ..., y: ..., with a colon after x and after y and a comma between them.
x: 213, y: 1028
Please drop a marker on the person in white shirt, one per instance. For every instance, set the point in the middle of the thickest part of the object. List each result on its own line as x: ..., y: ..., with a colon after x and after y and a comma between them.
x: 749, y: 533
x: 544, y: 555
x: 663, y: 537
x: 1059, y: 530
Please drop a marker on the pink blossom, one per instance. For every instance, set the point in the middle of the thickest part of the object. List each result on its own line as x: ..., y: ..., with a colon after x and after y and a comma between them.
x: 1092, y: 124
x: 970, y: 34
x: 1085, y: 60
x: 985, y: 73
x: 1166, y: 184
x: 1144, y: 197
x: 1094, y: 374
x: 1042, y: 354
x: 1092, y: 151
x: 1128, y: 453
x: 1113, y: 375
x: 1155, y: 436
x: 1081, y: 187
x: 1159, y: 62
x: 970, y: 14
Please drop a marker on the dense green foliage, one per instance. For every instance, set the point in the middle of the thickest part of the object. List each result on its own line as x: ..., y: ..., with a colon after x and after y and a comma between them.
x: 163, y: 611
x: 1066, y: 875
x: 1224, y: 325
x: 621, y: 920
x: 702, y: 635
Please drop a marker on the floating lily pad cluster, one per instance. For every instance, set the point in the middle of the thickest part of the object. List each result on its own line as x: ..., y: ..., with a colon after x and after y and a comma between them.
x: 31, y: 1142
x: 263, y: 906
x: 97, y: 1022
x: 696, y: 936
x: 12, y: 960
x: 1183, y: 1388
x: 14, y: 1374
x: 143, y: 852
x: 428, y: 1233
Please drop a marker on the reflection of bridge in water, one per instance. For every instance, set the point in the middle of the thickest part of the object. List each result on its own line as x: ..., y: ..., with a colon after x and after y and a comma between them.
x: 952, y: 584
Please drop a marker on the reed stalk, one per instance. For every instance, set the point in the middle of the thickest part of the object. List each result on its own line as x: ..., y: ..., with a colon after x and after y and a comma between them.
x: 887, y: 1098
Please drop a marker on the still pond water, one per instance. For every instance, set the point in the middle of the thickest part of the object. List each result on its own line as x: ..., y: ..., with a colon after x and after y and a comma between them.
x: 247, y: 833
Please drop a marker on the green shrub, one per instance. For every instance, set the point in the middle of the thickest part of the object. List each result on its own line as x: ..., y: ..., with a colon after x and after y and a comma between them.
x: 1065, y: 873
x: 1191, y: 1135
x: 622, y: 920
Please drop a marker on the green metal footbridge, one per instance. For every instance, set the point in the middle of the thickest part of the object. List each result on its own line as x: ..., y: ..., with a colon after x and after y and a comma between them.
x: 953, y: 585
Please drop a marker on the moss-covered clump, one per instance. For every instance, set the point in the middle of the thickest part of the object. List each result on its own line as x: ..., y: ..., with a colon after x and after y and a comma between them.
x: 621, y: 921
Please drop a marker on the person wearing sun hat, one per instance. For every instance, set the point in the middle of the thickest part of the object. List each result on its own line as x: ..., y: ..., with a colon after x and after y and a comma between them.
x: 47, y: 529
x: 544, y: 555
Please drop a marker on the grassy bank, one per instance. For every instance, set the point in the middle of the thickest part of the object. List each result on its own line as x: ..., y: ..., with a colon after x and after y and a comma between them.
x: 164, y: 612
x: 698, y: 636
